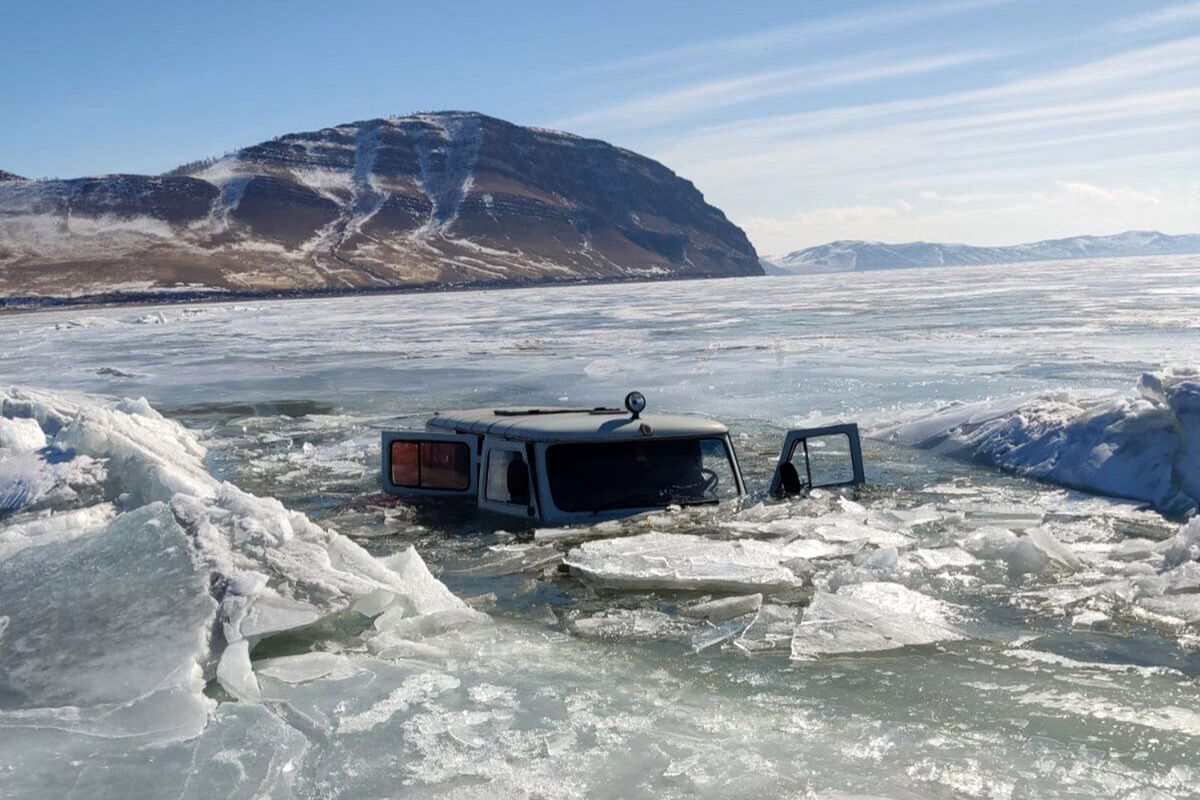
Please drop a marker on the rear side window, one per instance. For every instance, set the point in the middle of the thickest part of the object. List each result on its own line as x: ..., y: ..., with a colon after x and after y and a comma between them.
x: 507, y: 478
x: 431, y: 465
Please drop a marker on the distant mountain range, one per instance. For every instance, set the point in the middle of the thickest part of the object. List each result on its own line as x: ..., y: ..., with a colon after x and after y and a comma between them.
x: 856, y: 255
x: 428, y: 200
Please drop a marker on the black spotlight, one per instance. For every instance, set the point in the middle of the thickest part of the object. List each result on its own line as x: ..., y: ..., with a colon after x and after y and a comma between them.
x: 636, y: 403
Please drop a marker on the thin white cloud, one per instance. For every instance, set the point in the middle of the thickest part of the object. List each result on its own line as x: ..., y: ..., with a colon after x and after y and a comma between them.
x: 655, y: 109
x: 1091, y: 84
x: 1120, y: 194
x: 755, y: 43
x: 1181, y: 14
x: 1075, y: 111
x: 1062, y: 142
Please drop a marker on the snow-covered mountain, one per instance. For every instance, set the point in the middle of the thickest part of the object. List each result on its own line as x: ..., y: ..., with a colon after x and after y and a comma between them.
x: 8, y: 176
x: 859, y: 255
x: 448, y: 198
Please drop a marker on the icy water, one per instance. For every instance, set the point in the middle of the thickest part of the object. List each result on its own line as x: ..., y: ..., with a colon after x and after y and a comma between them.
x: 1051, y: 670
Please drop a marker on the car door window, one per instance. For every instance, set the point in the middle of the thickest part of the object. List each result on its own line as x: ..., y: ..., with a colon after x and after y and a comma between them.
x: 824, y: 460
x: 507, y: 478
x: 815, y: 457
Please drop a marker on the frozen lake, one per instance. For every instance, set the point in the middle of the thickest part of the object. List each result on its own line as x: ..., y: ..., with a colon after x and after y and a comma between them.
x: 1052, y: 639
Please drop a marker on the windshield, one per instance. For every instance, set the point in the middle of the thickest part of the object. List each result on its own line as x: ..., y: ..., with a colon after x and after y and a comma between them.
x: 607, y: 476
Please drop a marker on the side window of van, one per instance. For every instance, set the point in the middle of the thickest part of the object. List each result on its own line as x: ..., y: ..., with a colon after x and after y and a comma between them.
x: 507, y: 478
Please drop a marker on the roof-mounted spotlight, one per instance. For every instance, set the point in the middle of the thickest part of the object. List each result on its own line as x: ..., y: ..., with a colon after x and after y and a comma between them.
x: 635, y: 402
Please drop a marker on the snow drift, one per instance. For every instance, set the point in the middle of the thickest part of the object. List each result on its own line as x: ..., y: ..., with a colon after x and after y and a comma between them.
x: 1144, y: 448
x: 130, y: 577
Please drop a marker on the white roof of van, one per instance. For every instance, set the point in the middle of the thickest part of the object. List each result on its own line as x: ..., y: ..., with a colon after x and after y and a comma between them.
x: 572, y: 424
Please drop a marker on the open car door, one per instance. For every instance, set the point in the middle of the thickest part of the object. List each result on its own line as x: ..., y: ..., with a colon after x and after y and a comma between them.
x: 819, y: 457
x: 419, y: 464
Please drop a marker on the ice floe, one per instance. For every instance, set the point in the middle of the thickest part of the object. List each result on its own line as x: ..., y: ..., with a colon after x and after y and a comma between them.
x: 1144, y: 448
x: 148, y: 577
x: 868, y: 617
x: 683, y: 562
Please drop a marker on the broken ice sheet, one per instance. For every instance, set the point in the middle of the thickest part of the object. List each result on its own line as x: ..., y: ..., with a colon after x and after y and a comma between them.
x: 511, y: 559
x: 306, y: 667
x: 723, y: 632
x: 1035, y: 552
x: 104, y: 618
x: 723, y: 608
x: 683, y: 562
x: 639, y: 624
x: 867, y: 617
x: 939, y: 558
x: 244, y: 752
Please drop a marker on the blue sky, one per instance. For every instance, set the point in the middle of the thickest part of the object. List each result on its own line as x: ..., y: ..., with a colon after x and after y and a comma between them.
x: 985, y: 121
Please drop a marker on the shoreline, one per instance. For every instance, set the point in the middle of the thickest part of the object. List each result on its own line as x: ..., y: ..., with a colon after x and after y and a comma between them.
x: 24, y: 304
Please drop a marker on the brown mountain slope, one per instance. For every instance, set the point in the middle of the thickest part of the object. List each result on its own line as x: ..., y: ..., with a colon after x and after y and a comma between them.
x: 449, y: 198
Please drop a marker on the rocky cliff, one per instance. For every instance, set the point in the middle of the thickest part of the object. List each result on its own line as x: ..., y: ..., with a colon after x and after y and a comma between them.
x: 439, y: 199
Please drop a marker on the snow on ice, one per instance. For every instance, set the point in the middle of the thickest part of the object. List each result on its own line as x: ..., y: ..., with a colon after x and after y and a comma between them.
x: 1145, y: 448
x: 148, y: 577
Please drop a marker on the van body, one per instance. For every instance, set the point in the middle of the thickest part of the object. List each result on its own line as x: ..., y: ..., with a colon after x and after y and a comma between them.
x: 564, y: 466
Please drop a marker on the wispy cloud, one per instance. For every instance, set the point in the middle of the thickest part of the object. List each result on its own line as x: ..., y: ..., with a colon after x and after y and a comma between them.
x: 822, y: 28
x: 1120, y: 194
x: 1090, y: 131
x: 1182, y: 14
x: 1048, y: 132
x: 1126, y: 96
x: 655, y: 109
x: 1101, y: 84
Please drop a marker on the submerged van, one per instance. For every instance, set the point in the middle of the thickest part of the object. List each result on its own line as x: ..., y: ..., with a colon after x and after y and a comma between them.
x: 562, y: 466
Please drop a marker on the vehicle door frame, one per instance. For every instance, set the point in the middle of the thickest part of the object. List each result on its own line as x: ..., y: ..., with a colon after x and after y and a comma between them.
x: 797, y: 436
x: 533, y: 510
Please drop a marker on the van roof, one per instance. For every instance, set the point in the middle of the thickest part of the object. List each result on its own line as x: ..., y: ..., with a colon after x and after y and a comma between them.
x: 551, y: 423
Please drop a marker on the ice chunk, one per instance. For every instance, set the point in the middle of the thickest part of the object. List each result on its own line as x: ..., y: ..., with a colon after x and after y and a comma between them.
x: 306, y: 667
x: 572, y: 534
x: 393, y: 628
x: 104, y: 618
x: 21, y: 435
x: 265, y: 615
x: 245, y: 752
x: 771, y: 631
x: 111, y: 633
x: 868, y: 617
x: 1055, y: 550
x: 1144, y: 448
x: 1185, y: 608
x: 683, y: 562
x: 1184, y: 546
x: 513, y: 560
x: 1087, y: 618
x: 715, y: 634
x: 640, y: 624
x: 48, y: 528
x: 939, y: 558
x: 1032, y: 553
x: 723, y: 608
x: 283, y: 572
x: 235, y: 674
